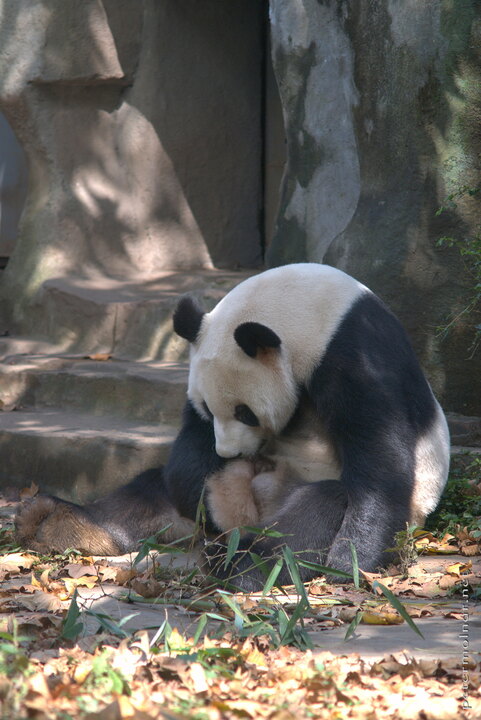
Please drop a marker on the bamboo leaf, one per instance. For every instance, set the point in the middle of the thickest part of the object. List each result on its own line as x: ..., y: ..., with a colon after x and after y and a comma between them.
x: 200, y: 627
x: 232, y: 546
x: 398, y: 606
x: 355, y: 565
x: 71, y: 628
x: 323, y: 569
x: 293, y: 569
x: 353, y: 625
x: 273, y: 575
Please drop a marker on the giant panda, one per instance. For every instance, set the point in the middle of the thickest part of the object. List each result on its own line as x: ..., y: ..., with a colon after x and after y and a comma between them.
x: 304, y: 364
x: 307, y: 411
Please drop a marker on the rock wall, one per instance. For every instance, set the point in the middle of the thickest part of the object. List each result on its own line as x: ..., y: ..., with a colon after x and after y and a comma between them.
x: 382, y: 108
x: 140, y: 120
x: 13, y: 188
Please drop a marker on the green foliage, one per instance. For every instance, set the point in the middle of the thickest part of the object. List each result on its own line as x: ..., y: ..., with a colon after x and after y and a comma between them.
x: 459, y: 504
x: 469, y: 249
x: 397, y: 605
x: 7, y: 541
x: 72, y: 626
x: 405, y: 547
x: 13, y: 659
x: 103, y: 677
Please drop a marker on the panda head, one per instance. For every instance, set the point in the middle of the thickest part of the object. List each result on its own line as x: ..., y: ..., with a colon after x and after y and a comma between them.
x: 240, y: 377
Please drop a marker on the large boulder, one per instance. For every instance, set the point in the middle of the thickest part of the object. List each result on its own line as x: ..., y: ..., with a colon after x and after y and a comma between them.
x: 142, y: 138
x: 382, y: 107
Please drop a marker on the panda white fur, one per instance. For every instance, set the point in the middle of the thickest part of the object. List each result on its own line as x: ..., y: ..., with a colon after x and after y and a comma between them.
x: 306, y: 366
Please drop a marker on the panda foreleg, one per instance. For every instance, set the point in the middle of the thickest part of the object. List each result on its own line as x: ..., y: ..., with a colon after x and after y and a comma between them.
x: 229, y: 496
x: 246, y: 492
x: 192, y: 459
x: 379, y: 488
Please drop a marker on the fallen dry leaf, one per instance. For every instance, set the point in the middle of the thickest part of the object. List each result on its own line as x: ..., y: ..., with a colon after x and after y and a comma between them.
x: 371, y: 617
x: 148, y: 587
x: 459, y: 568
x: 14, y: 562
x: 40, y: 600
x: 77, y: 570
x: 198, y: 678
x: 107, y: 574
x: 71, y: 584
x: 99, y: 357
x: 125, y: 575
x: 470, y: 549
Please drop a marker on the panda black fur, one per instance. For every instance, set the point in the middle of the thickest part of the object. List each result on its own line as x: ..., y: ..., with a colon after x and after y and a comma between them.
x: 306, y: 367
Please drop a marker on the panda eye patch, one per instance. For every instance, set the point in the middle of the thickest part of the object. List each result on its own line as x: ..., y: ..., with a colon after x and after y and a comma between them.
x: 244, y: 414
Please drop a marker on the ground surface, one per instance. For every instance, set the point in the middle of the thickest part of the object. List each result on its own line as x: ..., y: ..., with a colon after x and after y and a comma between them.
x: 112, y: 638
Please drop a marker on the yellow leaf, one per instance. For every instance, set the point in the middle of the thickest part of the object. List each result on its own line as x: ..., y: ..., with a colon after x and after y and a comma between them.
x: 72, y: 583
x: 81, y: 671
x: 177, y: 641
x: 36, y: 583
x: 442, y: 550
x: 100, y: 357
x: 459, y: 568
x: 252, y: 655
x: 385, y: 618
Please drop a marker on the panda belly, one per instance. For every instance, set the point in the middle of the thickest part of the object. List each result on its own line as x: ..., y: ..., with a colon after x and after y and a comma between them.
x: 304, y: 448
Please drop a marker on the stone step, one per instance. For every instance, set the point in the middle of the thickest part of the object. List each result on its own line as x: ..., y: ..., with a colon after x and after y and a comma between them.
x: 131, y: 319
x: 148, y: 391
x: 77, y: 456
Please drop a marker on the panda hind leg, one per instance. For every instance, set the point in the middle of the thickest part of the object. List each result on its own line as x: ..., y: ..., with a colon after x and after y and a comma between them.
x: 112, y: 525
x: 47, y: 524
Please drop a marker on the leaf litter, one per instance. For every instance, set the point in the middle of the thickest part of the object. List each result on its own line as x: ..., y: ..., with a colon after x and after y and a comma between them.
x: 226, y: 667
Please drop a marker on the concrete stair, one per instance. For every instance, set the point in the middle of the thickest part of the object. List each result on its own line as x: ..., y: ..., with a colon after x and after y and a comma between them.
x: 76, y: 423
x: 101, y: 400
x: 76, y: 455
x: 131, y: 319
x: 78, y: 428
x: 148, y: 391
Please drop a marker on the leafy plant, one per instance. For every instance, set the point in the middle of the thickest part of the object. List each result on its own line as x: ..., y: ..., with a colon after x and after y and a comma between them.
x: 469, y: 249
x: 405, y: 546
x: 460, y: 504
x: 72, y: 626
x: 13, y: 659
x: 106, y: 678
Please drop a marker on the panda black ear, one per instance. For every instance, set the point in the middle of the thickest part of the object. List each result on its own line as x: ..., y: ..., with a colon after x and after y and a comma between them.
x: 252, y: 336
x: 188, y: 318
